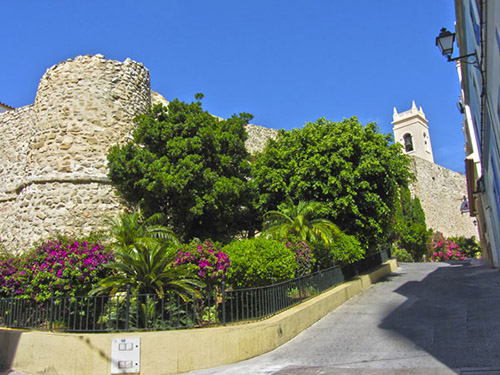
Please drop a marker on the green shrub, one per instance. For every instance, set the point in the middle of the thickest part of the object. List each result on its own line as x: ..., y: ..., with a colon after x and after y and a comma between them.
x: 254, y: 261
x: 468, y: 246
x: 344, y: 249
x: 402, y: 255
x: 414, y: 238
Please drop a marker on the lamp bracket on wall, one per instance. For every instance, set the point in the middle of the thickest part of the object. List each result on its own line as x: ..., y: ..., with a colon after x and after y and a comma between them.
x: 445, y: 42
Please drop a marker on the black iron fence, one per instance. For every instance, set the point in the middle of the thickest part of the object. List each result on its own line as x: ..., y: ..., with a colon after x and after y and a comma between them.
x: 132, y: 312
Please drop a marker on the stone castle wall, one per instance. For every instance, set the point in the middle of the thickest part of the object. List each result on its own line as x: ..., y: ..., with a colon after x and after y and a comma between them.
x: 53, y: 165
x: 441, y: 191
x: 257, y: 137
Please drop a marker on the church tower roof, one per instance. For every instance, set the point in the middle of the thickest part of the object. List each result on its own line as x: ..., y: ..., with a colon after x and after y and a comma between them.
x: 411, y: 130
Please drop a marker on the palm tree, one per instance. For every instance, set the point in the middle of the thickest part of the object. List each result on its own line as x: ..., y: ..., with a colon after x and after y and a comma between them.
x: 300, y: 221
x: 147, y: 266
x: 128, y: 228
x: 144, y: 259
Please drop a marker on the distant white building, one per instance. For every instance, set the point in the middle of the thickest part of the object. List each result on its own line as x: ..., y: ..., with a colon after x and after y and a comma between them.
x: 411, y: 130
x: 4, y: 107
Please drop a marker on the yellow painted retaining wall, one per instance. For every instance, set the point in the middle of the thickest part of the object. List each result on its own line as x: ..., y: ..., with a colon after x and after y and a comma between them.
x: 172, y: 352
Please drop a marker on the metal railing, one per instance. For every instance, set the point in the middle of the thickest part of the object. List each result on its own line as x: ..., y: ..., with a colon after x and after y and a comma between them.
x: 132, y: 312
x: 256, y: 303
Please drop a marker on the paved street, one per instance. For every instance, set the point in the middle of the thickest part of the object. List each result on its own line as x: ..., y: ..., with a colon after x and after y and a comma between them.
x: 424, y: 319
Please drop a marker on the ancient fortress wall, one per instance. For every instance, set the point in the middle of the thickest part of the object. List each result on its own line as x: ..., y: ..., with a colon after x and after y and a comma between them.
x: 440, y: 191
x: 53, y: 165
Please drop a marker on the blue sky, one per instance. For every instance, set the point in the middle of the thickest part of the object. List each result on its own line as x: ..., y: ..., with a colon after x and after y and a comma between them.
x: 285, y: 61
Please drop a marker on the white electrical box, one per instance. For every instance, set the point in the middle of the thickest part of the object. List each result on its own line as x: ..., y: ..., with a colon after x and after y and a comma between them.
x: 125, y: 355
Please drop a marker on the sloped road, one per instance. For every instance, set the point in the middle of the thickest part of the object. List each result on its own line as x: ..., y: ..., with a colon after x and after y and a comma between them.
x: 423, y: 319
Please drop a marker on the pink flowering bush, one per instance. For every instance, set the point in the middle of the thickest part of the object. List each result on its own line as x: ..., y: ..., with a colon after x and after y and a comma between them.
x: 62, y: 266
x: 304, y: 257
x: 443, y: 249
x: 209, y: 263
x: 9, y: 265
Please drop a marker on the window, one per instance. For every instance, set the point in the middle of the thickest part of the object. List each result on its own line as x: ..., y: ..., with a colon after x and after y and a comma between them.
x: 407, y: 142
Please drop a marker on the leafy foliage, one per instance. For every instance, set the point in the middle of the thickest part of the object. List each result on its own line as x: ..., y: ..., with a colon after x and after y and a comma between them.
x: 414, y: 238
x: 468, y: 246
x: 352, y: 169
x: 300, y: 222
x: 255, y: 261
x: 149, y: 267
x: 145, y: 256
x: 129, y: 227
x: 411, y: 230
x: 189, y: 165
x: 402, y: 255
x: 60, y: 266
x: 344, y: 249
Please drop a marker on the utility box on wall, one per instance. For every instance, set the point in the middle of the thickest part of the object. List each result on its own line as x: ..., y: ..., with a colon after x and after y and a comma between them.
x: 125, y: 355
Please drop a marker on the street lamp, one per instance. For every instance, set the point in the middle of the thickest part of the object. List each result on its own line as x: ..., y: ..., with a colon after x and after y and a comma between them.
x: 445, y: 42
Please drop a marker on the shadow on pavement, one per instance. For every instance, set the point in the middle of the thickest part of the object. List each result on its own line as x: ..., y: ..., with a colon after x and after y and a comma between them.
x: 453, y: 314
x: 9, y: 340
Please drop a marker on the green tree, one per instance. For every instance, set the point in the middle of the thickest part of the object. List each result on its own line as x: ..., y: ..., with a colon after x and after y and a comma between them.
x: 301, y: 222
x: 352, y: 169
x: 189, y: 165
x: 411, y: 232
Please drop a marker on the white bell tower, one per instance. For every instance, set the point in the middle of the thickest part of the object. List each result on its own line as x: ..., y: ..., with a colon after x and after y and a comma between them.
x: 411, y: 130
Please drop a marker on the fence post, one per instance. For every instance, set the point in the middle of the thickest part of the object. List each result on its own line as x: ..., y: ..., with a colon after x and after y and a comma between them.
x: 127, y: 308
x: 51, y: 313
x: 223, y: 303
x: 320, y: 281
x: 11, y: 312
x: 273, y: 296
x: 299, y: 284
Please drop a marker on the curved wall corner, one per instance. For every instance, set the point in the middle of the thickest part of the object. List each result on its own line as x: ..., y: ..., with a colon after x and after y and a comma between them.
x: 53, y: 164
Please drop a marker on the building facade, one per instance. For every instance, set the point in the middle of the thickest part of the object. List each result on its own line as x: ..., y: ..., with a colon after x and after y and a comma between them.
x: 478, y: 35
